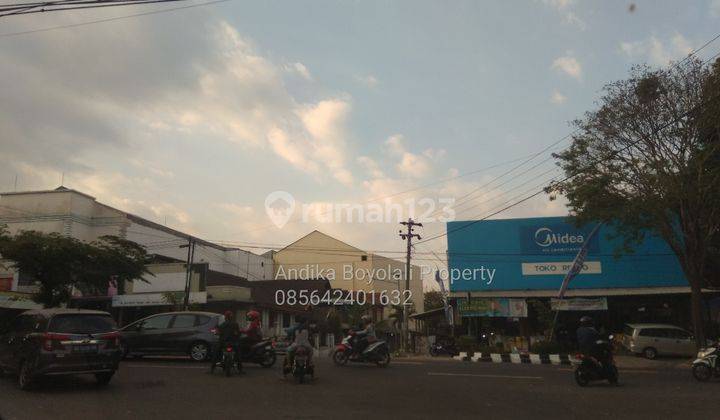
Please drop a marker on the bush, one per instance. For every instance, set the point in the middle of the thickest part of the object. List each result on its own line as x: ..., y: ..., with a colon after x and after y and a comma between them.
x: 466, y: 343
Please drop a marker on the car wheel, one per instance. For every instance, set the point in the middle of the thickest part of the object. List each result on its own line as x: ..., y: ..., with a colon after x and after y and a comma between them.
x: 199, y: 351
x: 26, y: 379
x: 581, y: 377
x: 103, y: 378
x: 650, y: 353
x: 702, y: 372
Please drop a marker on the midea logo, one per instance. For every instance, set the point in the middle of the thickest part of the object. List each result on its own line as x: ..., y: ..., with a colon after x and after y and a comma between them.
x: 546, y: 237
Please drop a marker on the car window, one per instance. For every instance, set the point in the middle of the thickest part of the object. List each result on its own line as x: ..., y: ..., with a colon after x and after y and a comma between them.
x: 184, y: 321
x: 202, y: 319
x: 81, y: 324
x: 679, y: 334
x: 628, y: 331
x: 157, y: 322
x: 653, y: 332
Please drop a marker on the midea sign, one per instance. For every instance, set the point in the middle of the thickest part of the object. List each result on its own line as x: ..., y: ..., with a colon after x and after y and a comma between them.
x: 555, y: 239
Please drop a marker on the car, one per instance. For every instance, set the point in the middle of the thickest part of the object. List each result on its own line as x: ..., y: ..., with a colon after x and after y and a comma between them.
x: 48, y: 342
x: 651, y: 340
x: 172, y: 333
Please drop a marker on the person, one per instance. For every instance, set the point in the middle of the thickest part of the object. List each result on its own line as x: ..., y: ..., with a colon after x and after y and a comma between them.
x: 229, y: 333
x: 365, y: 336
x: 587, y: 335
x: 251, y: 334
x: 299, y: 335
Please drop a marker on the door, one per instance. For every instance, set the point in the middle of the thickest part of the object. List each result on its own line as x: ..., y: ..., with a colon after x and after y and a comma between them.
x: 683, y: 342
x: 656, y: 338
x: 151, y: 333
x: 181, y: 334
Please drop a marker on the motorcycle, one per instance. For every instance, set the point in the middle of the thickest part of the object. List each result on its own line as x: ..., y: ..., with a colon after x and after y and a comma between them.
x: 440, y: 349
x: 261, y: 353
x: 229, y: 360
x: 376, y: 352
x: 590, y: 369
x: 706, y: 365
x: 301, y: 365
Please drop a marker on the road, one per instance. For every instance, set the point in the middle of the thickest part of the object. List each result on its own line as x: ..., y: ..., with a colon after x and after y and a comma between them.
x: 162, y: 389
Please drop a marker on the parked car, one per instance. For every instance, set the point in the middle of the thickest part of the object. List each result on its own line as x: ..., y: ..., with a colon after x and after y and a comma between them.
x: 172, y: 333
x: 651, y: 340
x: 60, y: 342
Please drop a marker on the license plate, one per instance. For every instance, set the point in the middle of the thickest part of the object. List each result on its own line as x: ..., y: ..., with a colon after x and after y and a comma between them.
x: 91, y: 348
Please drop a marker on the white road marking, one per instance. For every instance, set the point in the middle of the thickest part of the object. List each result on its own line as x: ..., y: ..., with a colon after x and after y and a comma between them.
x: 406, y: 363
x: 483, y: 376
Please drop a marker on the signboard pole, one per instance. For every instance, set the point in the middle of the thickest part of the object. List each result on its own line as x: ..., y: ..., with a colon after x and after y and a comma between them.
x: 575, y: 269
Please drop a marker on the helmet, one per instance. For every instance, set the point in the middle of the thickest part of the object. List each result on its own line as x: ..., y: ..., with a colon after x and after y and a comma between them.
x: 253, y: 316
x: 228, y: 315
x: 366, y: 319
x: 586, y: 321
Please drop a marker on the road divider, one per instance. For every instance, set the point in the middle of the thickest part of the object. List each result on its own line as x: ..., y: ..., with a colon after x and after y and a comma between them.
x: 518, y: 358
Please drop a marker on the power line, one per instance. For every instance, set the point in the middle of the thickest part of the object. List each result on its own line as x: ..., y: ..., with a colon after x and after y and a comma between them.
x: 112, y: 19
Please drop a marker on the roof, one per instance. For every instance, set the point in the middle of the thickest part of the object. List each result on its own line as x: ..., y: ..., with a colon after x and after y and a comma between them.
x: 429, y: 314
x: 324, y: 234
x: 63, y: 311
x: 217, y: 278
x: 60, y: 189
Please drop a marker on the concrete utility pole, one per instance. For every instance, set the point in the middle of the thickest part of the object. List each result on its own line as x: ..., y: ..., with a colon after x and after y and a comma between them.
x: 188, y: 273
x: 408, y: 237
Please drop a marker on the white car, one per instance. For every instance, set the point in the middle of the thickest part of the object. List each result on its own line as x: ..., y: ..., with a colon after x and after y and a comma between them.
x: 651, y: 340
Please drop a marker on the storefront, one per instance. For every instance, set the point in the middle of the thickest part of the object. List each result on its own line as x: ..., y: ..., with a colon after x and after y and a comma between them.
x: 500, y: 265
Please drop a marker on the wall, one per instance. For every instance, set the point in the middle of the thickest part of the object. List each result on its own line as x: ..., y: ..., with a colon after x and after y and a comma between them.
x: 547, y: 244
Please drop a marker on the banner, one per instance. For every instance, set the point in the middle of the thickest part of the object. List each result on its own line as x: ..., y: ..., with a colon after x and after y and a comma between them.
x: 155, y: 299
x: 496, y: 307
x: 579, y: 304
x: 578, y: 264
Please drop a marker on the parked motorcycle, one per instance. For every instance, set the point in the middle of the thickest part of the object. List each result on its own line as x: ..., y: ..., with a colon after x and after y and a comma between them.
x: 440, y: 349
x: 261, y: 353
x: 590, y: 369
x: 706, y: 365
x: 301, y: 365
x: 376, y: 352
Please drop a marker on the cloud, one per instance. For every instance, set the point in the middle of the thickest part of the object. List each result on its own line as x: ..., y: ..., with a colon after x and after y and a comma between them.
x: 569, y: 65
x: 299, y: 69
x: 558, y: 98
x: 657, y: 52
x: 566, y: 10
x: 412, y: 165
x: 371, y: 166
x: 368, y: 80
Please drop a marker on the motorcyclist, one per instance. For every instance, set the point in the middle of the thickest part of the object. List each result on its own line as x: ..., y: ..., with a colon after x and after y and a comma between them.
x: 251, y: 334
x: 365, y: 336
x: 587, y: 337
x: 299, y: 334
x: 229, y: 334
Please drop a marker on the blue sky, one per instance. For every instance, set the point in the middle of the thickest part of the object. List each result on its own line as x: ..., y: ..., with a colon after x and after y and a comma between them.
x: 192, y: 117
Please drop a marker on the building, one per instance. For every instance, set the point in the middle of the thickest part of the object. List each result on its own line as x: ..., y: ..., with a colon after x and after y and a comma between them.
x: 500, y: 271
x: 79, y: 215
x: 360, y: 275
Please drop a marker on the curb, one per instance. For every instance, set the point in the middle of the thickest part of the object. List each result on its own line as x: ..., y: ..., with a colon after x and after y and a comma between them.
x: 518, y: 358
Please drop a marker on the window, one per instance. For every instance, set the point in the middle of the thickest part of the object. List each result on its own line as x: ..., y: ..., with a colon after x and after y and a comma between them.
x: 81, y: 324
x: 157, y: 322
x: 184, y: 321
x: 653, y: 332
x: 679, y: 334
x: 363, y: 258
x: 202, y: 320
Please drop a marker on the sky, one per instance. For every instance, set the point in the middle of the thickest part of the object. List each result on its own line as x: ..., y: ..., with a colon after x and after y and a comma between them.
x: 192, y: 117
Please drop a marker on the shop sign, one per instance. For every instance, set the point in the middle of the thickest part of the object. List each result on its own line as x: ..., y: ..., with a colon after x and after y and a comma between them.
x: 495, y: 307
x: 579, y: 304
x: 559, y: 268
x: 156, y: 299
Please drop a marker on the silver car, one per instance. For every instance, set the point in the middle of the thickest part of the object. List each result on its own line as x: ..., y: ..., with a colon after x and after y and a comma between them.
x: 652, y: 340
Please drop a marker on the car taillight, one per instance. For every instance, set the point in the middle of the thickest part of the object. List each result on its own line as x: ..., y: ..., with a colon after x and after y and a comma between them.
x: 112, y: 338
x: 52, y: 340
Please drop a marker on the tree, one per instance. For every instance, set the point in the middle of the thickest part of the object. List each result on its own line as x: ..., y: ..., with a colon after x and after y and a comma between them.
x: 646, y: 161
x: 59, y: 263
x: 433, y: 300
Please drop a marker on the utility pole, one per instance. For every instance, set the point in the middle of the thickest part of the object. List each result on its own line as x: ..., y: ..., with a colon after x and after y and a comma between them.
x: 408, y: 237
x: 188, y: 271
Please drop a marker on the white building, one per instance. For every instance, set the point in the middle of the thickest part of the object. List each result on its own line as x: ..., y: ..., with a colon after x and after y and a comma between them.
x: 79, y: 215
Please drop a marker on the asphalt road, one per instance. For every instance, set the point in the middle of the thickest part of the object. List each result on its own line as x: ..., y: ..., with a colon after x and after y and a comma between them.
x: 162, y: 389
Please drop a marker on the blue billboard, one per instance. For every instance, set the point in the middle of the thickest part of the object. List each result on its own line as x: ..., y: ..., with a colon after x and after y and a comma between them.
x: 536, y: 253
